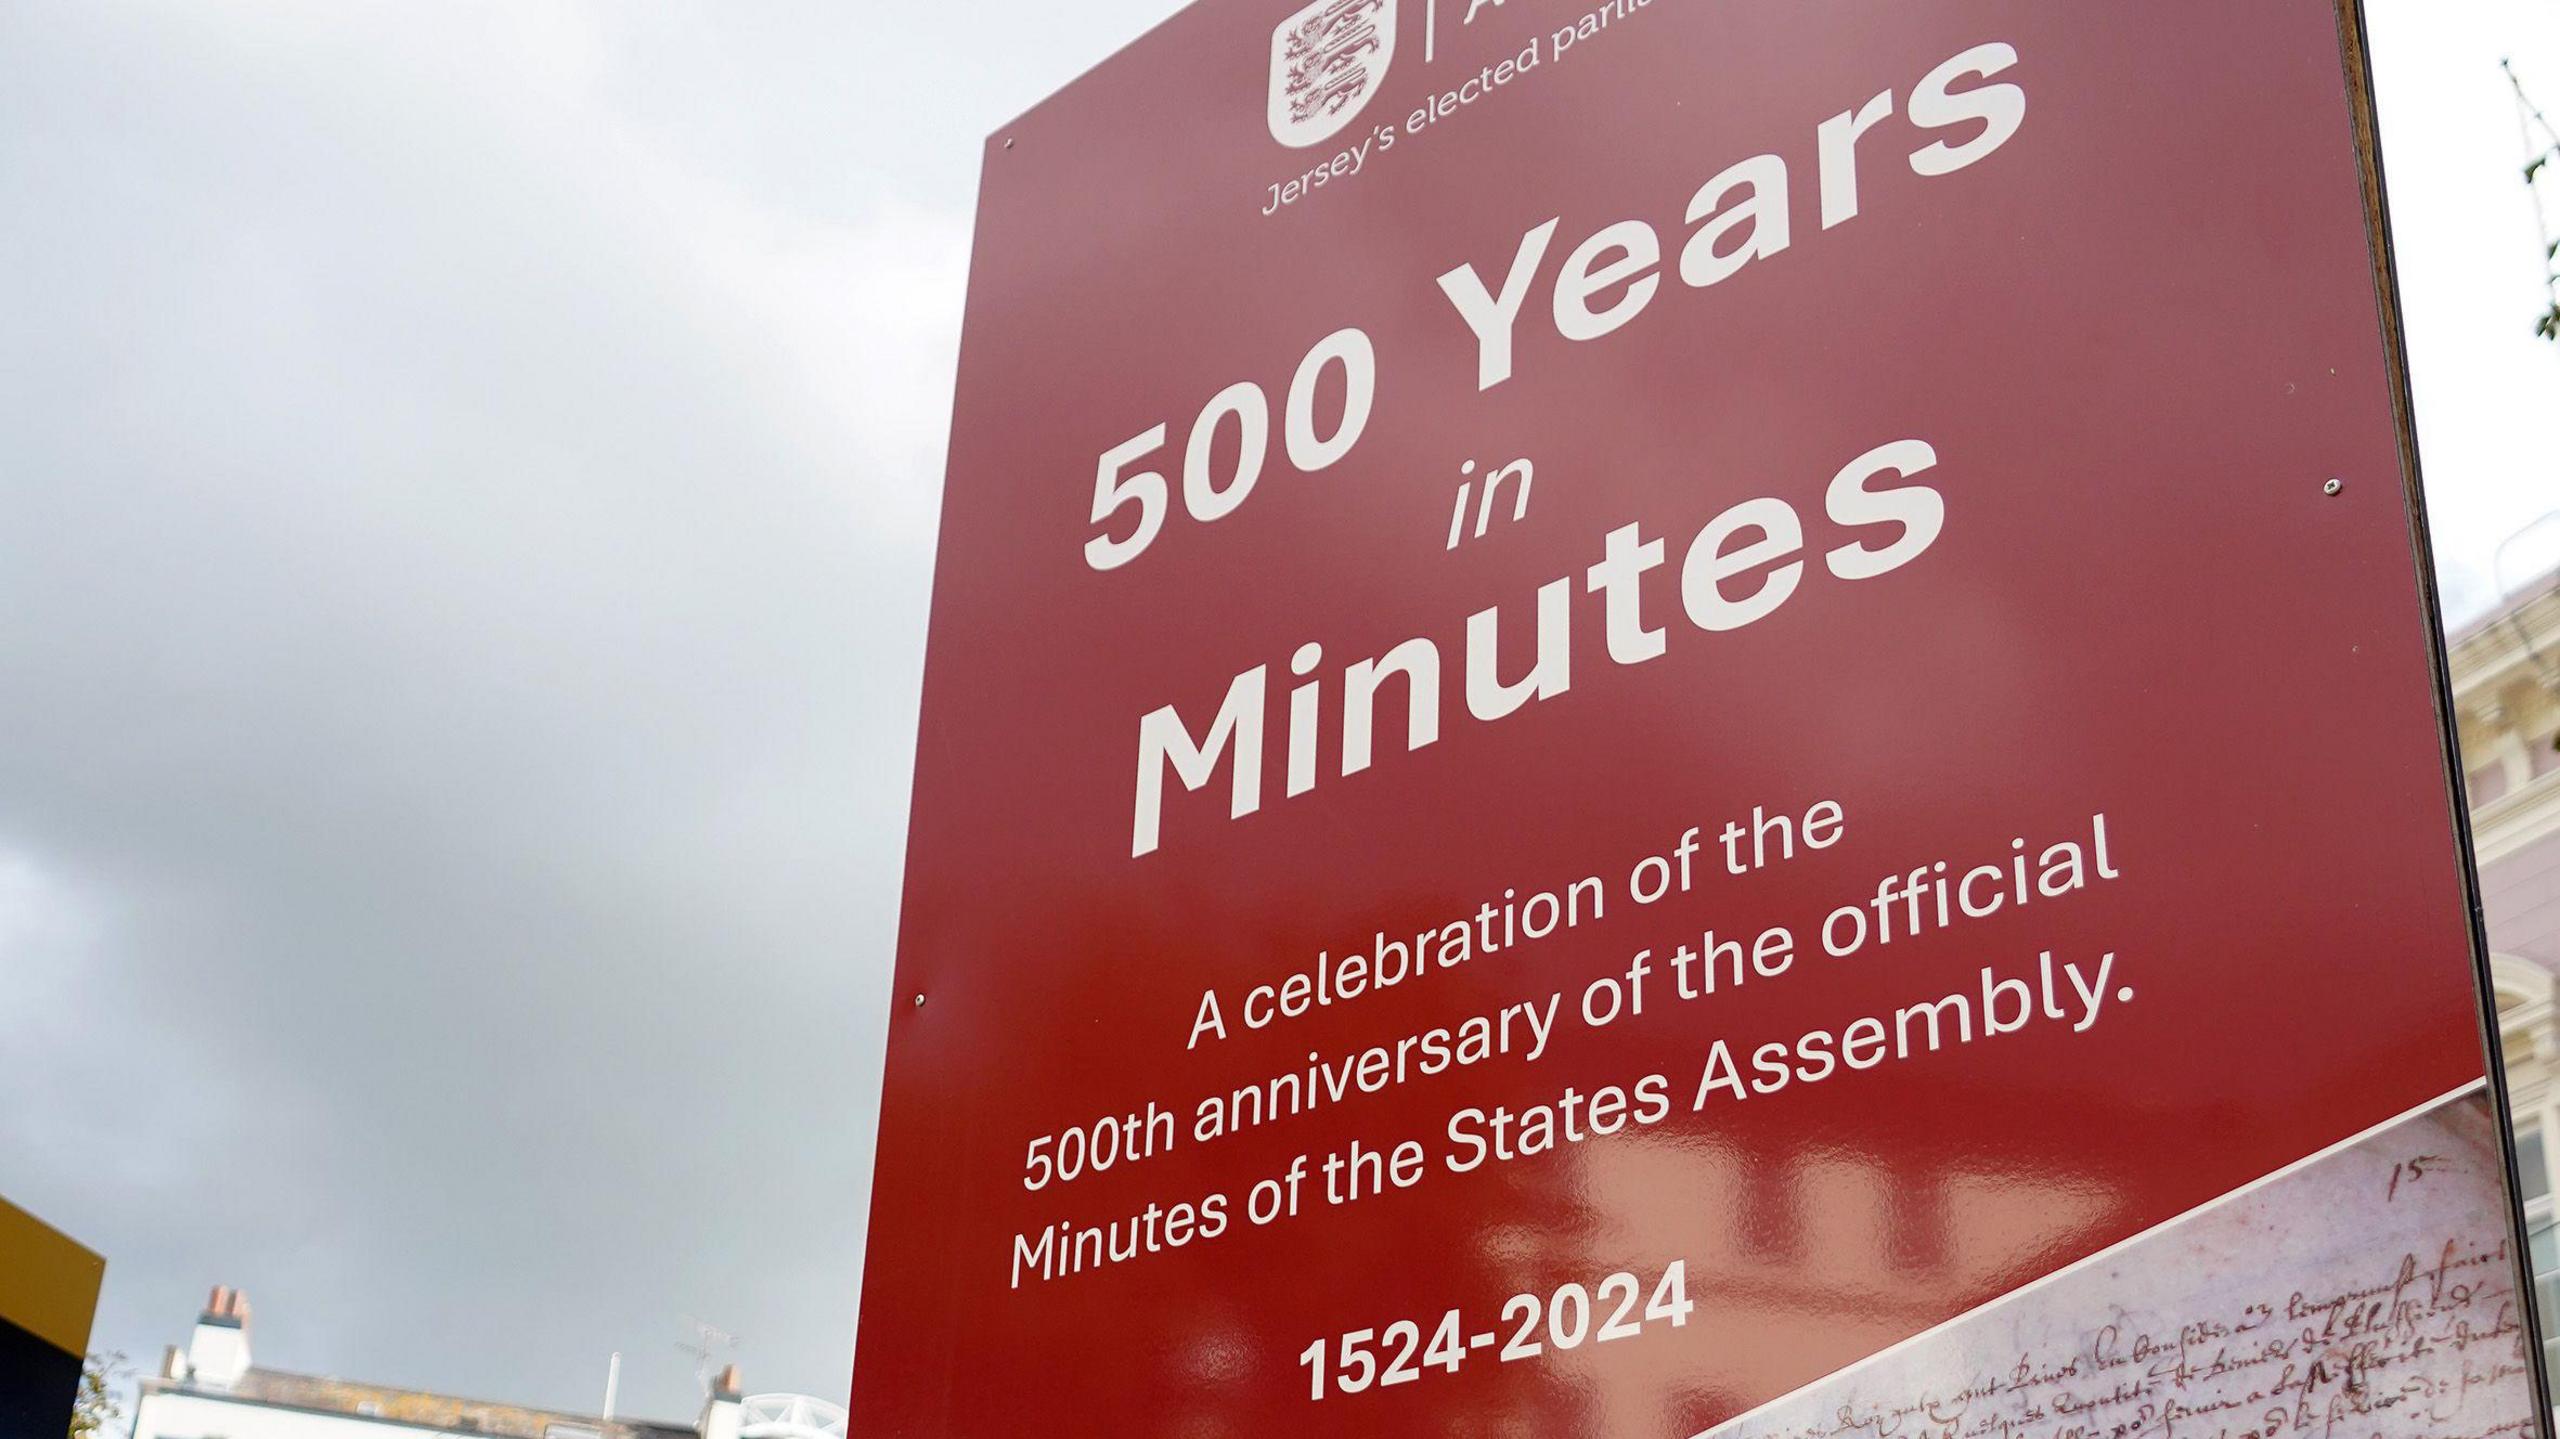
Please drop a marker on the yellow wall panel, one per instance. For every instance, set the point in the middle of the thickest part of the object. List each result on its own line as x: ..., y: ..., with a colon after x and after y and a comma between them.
x: 48, y: 1285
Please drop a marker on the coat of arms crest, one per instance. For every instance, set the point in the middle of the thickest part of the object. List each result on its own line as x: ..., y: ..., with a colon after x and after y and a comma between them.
x: 1326, y: 61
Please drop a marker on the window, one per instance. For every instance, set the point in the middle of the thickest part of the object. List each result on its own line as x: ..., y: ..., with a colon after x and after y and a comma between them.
x: 2488, y: 784
x: 2542, y: 1234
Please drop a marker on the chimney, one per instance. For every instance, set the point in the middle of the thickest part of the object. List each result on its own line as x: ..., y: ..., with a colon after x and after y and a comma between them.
x: 723, y: 1415
x: 218, y: 1354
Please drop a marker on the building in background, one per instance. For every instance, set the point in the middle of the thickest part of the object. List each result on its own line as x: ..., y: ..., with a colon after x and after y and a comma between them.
x: 211, y: 1390
x: 2506, y: 696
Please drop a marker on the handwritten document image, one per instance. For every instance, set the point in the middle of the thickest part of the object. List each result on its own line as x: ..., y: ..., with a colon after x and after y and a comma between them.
x: 2368, y: 1294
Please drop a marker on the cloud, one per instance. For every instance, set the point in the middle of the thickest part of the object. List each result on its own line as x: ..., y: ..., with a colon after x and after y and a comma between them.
x: 462, y: 579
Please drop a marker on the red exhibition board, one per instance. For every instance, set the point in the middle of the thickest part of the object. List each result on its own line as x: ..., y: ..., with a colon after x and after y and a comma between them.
x: 1628, y: 702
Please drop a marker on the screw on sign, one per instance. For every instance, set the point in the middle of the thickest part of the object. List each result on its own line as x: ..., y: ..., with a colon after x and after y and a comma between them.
x: 1604, y: 756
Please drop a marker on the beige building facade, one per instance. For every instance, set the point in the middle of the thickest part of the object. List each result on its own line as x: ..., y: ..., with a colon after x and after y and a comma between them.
x: 2506, y: 694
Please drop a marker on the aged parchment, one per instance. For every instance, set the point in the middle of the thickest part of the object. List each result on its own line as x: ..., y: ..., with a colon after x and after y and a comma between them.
x: 2367, y: 1295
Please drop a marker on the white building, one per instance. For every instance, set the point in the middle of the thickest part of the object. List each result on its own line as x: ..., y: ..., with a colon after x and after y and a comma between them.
x: 211, y: 1389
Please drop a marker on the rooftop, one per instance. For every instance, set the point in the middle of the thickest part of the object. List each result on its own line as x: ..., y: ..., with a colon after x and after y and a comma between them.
x: 317, y: 1395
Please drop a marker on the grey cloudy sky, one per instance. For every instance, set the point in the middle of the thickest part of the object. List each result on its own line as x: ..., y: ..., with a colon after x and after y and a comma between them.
x: 467, y: 482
